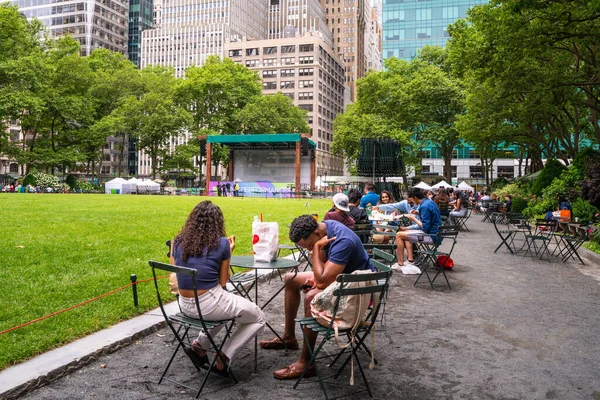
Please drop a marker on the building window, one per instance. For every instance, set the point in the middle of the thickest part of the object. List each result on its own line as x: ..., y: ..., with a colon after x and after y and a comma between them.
x: 476, y: 172
x: 473, y: 154
x: 290, y: 95
x: 288, y: 49
x: 307, y: 107
x: 306, y: 84
x: 269, y: 73
x: 306, y: 48
x: 287, y: 72
x: 288, y: 60
x: 14, y: 135
x: 505, y: 171
x: 454, y: 153
x: 252, y: 63
x: 287, y: 84
x: 235, y: 53
x: 426, y: 169
x: 307, y: 60
x: 423, y: 14
x: 450, y: 13
x: 305, y: 96
x: 269, y: 50
x: 423, y: 33
x: 269, y: 85
x: 252, y: 52
x: 306, y: 72
x: 269, y: 61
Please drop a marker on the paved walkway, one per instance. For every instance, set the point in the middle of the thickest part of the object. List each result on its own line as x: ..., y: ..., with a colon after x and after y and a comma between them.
x: 512, y: 328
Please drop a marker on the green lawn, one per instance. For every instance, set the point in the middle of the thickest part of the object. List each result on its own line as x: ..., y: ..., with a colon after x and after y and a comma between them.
x: 60, y: 250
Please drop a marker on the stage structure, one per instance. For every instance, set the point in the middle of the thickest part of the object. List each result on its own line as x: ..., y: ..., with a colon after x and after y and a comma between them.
x: 266, y: 162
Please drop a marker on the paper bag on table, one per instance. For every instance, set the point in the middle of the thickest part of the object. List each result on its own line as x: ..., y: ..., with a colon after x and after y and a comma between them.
x: 265, y: 241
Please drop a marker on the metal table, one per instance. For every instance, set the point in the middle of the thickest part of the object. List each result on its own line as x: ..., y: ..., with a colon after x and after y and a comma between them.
x: 281, y: 263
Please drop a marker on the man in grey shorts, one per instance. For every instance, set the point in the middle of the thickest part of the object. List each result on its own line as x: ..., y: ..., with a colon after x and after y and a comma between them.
x: 428, y: 223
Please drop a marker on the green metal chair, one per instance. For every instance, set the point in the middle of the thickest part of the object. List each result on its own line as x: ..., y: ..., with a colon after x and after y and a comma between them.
x: 355, y: 339
x: 180, y: 322
x: 431, y: 252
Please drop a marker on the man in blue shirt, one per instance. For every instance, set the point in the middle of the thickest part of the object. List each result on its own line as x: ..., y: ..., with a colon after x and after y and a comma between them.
x: 335, y: 249
x: 370, y: 196
x: 429, y: 223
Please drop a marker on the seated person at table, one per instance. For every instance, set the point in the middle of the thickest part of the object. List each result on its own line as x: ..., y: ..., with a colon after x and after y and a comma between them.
x: 370, y: 197
x: 429, y: 223
x: 459, y: 202
x: 563, y: 204
x: 340, y: 211
x: 508, y: 204
x: 202, y: 245
x: 443, y: 202
x: 335, y: 249
x: 359, y: 215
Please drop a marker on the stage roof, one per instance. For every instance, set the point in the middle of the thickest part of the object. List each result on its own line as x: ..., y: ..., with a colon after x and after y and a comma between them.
x: 275, y: 141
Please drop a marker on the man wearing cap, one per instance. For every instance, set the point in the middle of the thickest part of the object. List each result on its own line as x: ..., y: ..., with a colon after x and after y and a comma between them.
x: 335, y: 250
x: 341, y: 207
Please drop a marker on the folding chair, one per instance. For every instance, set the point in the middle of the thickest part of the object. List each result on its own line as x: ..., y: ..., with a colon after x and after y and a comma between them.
x: 461, y: 222
x: 504, y: 234
x: 186, y: 323
x: 573, y: 239
x: 363, y: 231
x: 430, y: 254
x: 544, y: 230
x: 379, y: 284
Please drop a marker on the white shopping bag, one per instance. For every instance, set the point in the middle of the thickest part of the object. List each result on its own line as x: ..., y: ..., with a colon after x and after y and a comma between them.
x: 265, y: 241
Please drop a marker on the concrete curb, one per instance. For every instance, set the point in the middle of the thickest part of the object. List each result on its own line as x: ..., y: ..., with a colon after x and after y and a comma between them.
x: 22, y: 378
x: 589, y: 255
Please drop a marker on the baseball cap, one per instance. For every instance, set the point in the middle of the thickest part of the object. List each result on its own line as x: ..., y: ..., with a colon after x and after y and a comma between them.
x: 341, y: 201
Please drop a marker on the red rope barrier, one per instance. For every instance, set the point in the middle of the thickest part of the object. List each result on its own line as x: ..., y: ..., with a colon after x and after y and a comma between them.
x: 78, y: 305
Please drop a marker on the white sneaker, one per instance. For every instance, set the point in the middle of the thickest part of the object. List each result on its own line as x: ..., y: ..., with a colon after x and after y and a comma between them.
x: 396, y: 267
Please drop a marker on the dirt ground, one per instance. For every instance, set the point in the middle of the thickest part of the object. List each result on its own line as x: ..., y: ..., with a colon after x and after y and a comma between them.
x: 511, y: 328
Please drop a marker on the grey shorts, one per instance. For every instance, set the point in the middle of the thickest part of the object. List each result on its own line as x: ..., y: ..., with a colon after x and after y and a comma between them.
x: 418, y: 236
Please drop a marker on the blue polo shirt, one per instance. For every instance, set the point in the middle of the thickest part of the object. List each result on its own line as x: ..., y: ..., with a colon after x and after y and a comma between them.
x: 369, y: 198
x: 429, y: 214
x: 347, y: 248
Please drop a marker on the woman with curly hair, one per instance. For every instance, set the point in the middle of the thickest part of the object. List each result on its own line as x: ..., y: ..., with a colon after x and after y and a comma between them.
x: 202, y: 245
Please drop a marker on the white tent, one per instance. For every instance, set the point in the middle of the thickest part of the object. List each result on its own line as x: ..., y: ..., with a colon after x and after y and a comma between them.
x: 465, y: 187
x: 135, y: 181
x: 423, y: 185
x: 151, y: 186
x: 115, y: 184
x: 443, y: 184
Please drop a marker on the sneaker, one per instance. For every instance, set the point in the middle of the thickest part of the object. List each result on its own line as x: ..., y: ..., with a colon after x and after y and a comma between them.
x: 396, y: 267
x: 410, y: 264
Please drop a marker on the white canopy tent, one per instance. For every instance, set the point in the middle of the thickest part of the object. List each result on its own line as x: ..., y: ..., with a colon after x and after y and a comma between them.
x: 150, y: 185
x: 465, y: 187
x: 423, y: 185
x: 443, y: 184
x: 120, y: 185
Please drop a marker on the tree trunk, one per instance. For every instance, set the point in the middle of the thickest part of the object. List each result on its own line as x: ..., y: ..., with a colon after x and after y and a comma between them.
x: 448, y: 167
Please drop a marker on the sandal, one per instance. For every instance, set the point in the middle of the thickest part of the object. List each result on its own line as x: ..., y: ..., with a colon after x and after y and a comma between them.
x: 277, y: 344
x: 291, y: 372
x: 199, y: 362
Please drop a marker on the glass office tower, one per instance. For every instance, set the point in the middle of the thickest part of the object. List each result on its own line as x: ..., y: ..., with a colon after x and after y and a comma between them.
x: 140, y: 18
x: 409, y: 25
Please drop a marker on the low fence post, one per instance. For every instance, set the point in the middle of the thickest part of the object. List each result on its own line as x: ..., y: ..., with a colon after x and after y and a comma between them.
x: 133, y: 279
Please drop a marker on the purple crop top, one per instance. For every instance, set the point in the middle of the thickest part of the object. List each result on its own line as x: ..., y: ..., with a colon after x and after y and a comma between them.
x: 207, y: 265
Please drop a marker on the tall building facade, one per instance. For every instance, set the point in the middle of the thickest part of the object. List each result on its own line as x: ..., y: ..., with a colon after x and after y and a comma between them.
x: 140, y: 19
x: 192, y: 30
x: 410, y: 25
x: 306, y: 70
x: 94, y: 23
x: 372, y: 40
x: 291, y: 18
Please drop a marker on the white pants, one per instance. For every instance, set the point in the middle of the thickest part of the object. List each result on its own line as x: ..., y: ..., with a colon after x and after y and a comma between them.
x: 218, y: 304
x: 461, y: 213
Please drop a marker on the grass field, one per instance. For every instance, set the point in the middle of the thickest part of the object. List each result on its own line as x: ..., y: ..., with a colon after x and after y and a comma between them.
x: 60, y: 250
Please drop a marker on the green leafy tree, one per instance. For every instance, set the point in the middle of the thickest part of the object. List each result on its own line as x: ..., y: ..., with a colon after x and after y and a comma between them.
x: 271, y: 114
x: 553, y: 169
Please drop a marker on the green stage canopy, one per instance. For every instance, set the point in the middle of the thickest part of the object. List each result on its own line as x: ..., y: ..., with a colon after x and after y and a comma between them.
x: 275, y: 141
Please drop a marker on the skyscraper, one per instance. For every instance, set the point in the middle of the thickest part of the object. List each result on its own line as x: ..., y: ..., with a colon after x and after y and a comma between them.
x: 94, y: 23
x: 192, y: 30
x: 140, y: 18
x: 409, y: 25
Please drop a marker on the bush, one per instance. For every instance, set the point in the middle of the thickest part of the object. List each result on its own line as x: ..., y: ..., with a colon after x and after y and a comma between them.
x: 590, y: 188
x: 29, y: 180
x: 586, y: 212
x: 553, y: 169
x: 518, y: 204
x: 71, y: 181
x: 46, y: 181
x: 498, y: 184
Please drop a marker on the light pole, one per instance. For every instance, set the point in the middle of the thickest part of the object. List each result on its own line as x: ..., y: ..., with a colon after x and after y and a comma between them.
x: 325, y: 180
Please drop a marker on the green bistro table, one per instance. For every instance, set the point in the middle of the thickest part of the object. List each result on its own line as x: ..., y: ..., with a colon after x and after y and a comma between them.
x: 279, y: 264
